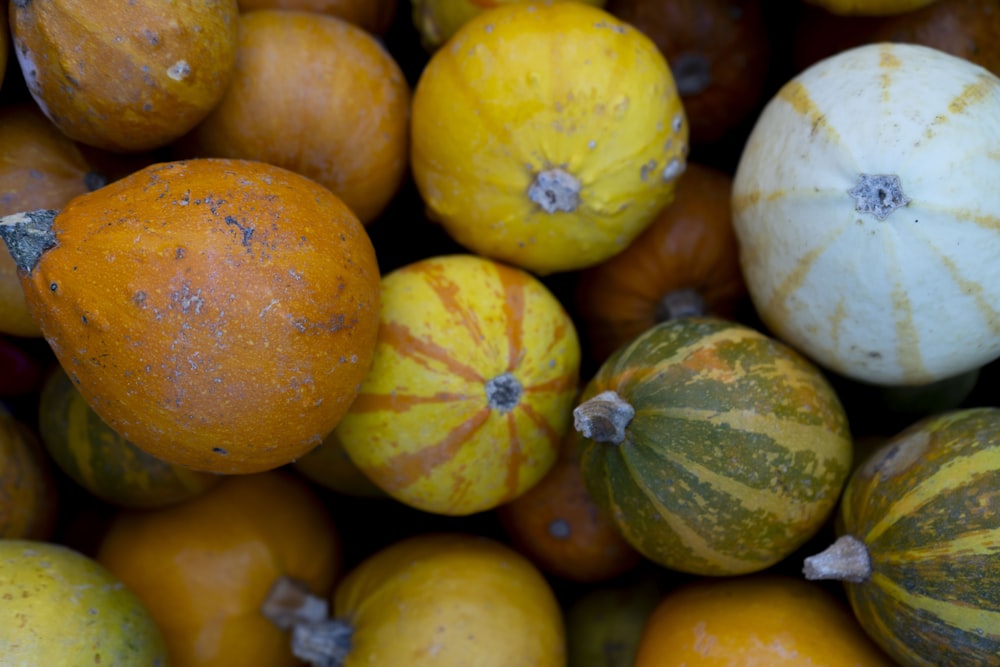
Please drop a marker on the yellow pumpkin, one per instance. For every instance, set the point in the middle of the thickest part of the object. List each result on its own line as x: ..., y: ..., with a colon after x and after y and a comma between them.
x: 547, y: 135
x: 437, y: 600
x: 438, y: 20
x: 470, y: 389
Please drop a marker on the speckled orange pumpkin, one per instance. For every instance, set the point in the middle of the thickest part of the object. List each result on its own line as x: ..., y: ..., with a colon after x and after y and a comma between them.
x: 125, y: 75
x: 218, y: 314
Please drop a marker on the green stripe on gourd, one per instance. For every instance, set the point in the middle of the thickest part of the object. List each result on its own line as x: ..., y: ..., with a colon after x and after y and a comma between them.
x: 733, y: 452
x: 102, y: 461
x: 920, y: 542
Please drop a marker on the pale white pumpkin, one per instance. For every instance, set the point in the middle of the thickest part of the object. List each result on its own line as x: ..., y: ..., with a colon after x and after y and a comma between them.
x: 867, y: 207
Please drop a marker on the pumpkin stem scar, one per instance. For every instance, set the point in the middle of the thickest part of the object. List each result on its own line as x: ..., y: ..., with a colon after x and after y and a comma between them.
x: 503, y: 392
x: 847, y: 559
x: 28, y: 235
x: 604, y: 417
x: 555, y: 190
x: 878, y: 194
x: 692, y: 72
x: 683, y: 302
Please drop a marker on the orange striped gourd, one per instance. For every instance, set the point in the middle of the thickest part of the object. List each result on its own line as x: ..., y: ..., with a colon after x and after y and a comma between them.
x: 920, y: 542
x: 717, y: 449
x: 471, y: 387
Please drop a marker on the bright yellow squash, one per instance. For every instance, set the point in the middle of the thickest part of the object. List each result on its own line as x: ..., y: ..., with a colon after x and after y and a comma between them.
x: 547, y: 135
x: 471, y: 387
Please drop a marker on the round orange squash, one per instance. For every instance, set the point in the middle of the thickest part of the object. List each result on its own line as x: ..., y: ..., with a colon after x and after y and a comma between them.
x: 560, y: 528
x: 760, y: 619
x: 40, y: 167
x: 685, y: 263
x: 375, y: 16
x: 125, y: 75
x: 319, y: 96
x: 204, y: 567
x: 547, y: 135
x: 28, y: 495
x: 218, y: 314
x: 471, y: 387
x: 438, y: 600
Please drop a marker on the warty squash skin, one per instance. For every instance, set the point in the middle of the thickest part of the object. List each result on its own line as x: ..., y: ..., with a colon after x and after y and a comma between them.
x: 866, y: 208
x: 716, y: 449
x: 547, y: 135
x: 60, y: 607
x: 470, y: 389
x: 918, y: 548
x: 125, y: 75
x: 218, y: 314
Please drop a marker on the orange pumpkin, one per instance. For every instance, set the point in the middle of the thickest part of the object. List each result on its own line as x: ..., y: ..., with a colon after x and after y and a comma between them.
x: 963, y: 28
x: 719, y: 52
x: 685, y: 263
x: 759, y: 619
x: 562, y: 530
x: 319, y: 96
x: 40, y: 167
x: 204, y: 567
x: 375, y: 16
x: 436, y: 600
x: 218, y: 314
x: 125, y: 75
x: 27, y: 489
x: 471, y: 387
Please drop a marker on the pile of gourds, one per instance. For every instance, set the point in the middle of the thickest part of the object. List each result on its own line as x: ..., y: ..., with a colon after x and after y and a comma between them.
x: 452, y: 332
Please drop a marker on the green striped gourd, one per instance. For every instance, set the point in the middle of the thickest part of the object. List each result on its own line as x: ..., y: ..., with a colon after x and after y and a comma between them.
x: 919, y: 545
x: 101, y: 461
x: 717, y: 449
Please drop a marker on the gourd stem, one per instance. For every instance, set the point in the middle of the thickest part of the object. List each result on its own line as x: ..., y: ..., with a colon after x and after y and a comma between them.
x: 555, y: 190
x: 317, y: 639
x: 28, y: 235
x: 847, y: 559
x: 604, y: 417
x: 683, y: 302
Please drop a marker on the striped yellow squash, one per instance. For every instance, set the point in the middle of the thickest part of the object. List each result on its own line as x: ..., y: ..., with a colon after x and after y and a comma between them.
x: 104, y: 463
x: 471, y: 387
x: 920, y: 542
x: 717, y: 449
x: 868, y: 217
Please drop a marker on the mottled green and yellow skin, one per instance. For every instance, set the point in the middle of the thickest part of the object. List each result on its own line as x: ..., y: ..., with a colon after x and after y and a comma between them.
x: 100, y: 460
x: 927, y: 506
x: 737, y: 452
x: 59, y: 607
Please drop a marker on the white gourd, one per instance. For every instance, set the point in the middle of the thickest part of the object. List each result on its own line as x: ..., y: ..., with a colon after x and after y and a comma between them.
x: 867, y: 207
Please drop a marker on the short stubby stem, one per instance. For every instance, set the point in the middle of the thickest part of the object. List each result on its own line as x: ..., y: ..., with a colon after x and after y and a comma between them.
x: 28, y: 235
x: 555, y: 190
x: 604, y: 417
x: 683, y: 302
x: 847, y: 559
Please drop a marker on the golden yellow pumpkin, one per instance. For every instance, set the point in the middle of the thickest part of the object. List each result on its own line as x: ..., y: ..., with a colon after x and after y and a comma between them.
x: 547, y: 135
x: 471, y: 386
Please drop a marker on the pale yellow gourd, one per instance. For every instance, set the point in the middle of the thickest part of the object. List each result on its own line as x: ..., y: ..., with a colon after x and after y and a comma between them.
x: 868, y: 214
